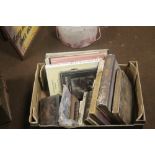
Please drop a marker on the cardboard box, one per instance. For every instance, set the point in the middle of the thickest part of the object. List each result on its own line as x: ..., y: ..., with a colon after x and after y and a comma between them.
x: 20, y: 37
x: 131, y: 70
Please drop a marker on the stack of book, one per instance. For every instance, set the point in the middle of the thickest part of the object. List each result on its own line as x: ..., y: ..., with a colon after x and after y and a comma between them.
x: 85, y: 88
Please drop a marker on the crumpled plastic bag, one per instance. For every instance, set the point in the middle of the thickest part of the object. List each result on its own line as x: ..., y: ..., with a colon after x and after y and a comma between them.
x: 64, y: 109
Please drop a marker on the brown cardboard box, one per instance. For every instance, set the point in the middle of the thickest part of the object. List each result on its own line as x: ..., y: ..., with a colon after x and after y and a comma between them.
x: 20, y: 37
x: 131, y: 70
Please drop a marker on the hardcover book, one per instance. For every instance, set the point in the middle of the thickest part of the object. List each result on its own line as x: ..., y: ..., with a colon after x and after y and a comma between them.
x: 93, y: 111
x: 106, y: 90
x: 78, y: 81
x: 86, y: 118
x: 53, y: 73
x: 123, y: 98
x: 49, y: 111
x: 82, y: 55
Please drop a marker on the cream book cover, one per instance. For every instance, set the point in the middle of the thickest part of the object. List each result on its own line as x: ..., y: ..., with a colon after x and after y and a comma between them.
x: 53, y: 73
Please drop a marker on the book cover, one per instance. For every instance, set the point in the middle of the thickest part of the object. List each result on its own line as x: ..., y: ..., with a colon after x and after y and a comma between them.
x: 93, y: 111
x: 123, y: 98
x: 104, y: 100
x: 78, y: 81
x: 53, y: 73
x: 49, y: 110
x: 59, y: 60
x: 64, y: 55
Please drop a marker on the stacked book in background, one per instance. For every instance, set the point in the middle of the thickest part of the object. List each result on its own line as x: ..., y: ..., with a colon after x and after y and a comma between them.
x: 84, y: 88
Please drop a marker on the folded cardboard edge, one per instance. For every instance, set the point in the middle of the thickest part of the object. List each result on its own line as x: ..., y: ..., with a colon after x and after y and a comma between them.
x: 141, y: 117
x: 33, y: 117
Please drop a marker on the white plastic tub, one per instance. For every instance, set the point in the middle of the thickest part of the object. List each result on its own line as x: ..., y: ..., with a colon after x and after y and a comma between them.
x: 78, y: 36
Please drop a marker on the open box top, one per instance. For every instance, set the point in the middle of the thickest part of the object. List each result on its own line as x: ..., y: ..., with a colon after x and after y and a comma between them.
x: 132, y: 71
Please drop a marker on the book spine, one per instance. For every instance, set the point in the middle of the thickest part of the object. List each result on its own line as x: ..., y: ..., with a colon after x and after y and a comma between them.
x: 112, y: 85
x: 107, y: 114
x: 82, y: 107
x: 104, y: 90
x: 117, y: 91
x: 68, y: 59
x: 75, y: 62
x: 100, y: 118
x: 76, y: 53
x: 96, y: 87
x: 90, y: 121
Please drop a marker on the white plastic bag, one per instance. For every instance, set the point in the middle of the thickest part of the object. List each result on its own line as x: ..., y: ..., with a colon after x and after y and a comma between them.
x: 78, y: 36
